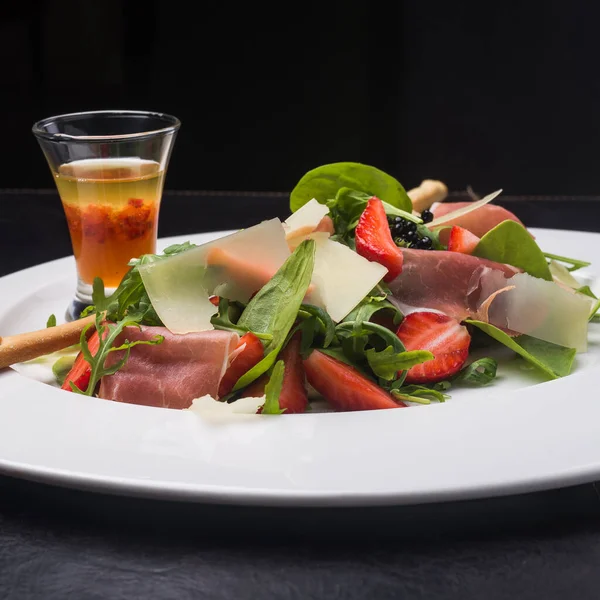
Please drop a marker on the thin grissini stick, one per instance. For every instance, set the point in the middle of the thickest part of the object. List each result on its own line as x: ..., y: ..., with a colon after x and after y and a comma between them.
x: 429, y: 192
x: 27, y: 346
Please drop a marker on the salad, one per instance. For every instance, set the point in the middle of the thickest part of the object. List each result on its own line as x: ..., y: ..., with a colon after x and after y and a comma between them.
x: 366, y: 297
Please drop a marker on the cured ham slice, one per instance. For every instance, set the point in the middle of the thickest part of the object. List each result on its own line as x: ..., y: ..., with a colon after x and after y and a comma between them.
x: 449, y: 282
x: 463, y: 286
x: 170, y: 374
x: 478, y: 222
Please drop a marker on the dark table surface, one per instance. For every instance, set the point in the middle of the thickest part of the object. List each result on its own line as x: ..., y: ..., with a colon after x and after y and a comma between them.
x: 58, y: 543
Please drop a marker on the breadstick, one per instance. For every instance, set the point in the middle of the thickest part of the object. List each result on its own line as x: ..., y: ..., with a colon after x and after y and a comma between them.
x: 26, y: 346
x: 427, y: 193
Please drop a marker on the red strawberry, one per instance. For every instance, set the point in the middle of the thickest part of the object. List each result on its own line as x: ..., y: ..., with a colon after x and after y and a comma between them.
x: 343, y: 386
x: 374, y: 239
x: 248, y: 353
x: 81, y: 371
x: 443, y: 336
x: 462, y: 240
x: 293, y: 396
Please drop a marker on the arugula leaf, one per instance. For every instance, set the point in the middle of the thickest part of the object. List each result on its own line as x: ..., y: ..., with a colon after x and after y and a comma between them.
x: 51, y: 322
x: 586, y: 291
x: 321, y: 320
x: 418, y: 393
x: 510, y: 243
x: 324, y: 182
x: 386, y: 363
x: 274, y: 308
x: 227, y: 316
x: 479, y: 372
x: 555, y: 361
x: 371, y: 305
x: 574, y: 262
x: 273, y: 390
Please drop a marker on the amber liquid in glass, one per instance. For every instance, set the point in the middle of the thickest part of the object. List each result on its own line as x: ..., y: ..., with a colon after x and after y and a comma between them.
x: 111, y: 206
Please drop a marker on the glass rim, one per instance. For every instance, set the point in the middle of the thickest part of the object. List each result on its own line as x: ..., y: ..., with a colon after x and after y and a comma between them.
x: 39, y: 131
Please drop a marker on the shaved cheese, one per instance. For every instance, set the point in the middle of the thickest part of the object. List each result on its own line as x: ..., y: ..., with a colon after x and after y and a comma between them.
x: 176, y: 289
x: 465, y: 210
x: 342, y: 278
x: 303, y: 222
x: 309, y: 215
x: 209, y: 408
x: 234, y: 267
x: 562, y: 275
x: 538, y: 308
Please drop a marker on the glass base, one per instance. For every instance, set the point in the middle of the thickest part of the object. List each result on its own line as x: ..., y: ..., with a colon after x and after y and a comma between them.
x: 75, y: 308
x: 83, y: 299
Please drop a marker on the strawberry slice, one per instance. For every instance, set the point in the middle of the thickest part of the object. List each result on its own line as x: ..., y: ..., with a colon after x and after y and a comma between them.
x: 343, y: 386
x: 293, y: 396
x: 443, y: 336
x: 462, y: 240
x: 247, y: 353
x: 81, y: 371
x: 374, y: 239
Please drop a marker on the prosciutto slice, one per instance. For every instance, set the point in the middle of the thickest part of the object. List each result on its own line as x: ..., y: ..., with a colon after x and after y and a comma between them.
x: 449, y: 282
x: 463, y: 286
x: 170, y: 374
x: 478, y: 222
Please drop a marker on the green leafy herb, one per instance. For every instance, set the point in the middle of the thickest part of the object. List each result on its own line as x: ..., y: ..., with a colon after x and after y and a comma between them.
x: 387, y: 362
x: 419, y: 394
x: 510, y: 243
x: 574, y: 263
x: 371, y: 305
x: 273, y: 390
x: 323, y: 323
x: 61, y: 368
x: 108, y: 333
x: 479, y: 372
x: 227, y: 317
x: 595, y: 307
x: 586, y: 291
x: 51, y: 322
x: 553, y: 360
x: 274, y: 309
x: 324, y: 182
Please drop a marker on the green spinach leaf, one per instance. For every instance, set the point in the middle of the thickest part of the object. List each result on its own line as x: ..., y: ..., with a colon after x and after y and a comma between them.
x: 479, y: 372
x: 324, y: 182
x: 274, y: 309
x: 51, y: 322
x: 553, y: 360
x: 510, y: 243
x: 273, y: 390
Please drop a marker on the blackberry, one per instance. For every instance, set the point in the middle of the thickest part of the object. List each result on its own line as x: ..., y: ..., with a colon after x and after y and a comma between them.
x: 425, y: 243
x: 427, y: 216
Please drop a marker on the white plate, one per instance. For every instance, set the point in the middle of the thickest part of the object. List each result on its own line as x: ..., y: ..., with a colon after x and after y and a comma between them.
x: 514, y: 436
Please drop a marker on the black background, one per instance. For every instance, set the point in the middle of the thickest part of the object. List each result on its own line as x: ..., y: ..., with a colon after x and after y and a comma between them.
x: 487, y: 94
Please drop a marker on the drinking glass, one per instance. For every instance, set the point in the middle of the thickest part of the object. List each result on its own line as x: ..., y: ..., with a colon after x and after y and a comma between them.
x: 109, y: 168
